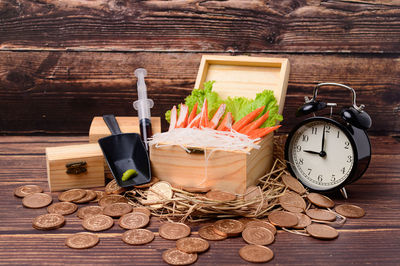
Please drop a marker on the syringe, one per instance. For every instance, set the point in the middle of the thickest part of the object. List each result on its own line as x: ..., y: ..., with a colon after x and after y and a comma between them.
x: 143, y: 105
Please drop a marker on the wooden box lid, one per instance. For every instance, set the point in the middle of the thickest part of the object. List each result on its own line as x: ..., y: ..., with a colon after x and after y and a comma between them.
x: 245, y: 76
x: 72, y: 152
x: 127, y: 124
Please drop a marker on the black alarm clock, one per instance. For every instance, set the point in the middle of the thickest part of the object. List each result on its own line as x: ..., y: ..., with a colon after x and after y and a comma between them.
x: 326, y: 153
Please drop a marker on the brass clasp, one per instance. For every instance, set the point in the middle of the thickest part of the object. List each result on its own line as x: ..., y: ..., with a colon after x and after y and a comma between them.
x: 76, y: 168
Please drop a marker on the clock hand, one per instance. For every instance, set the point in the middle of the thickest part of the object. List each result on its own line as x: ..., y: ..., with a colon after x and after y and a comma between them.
x: 321, y: 153
x: 313, y: 152
x: 323, y: 141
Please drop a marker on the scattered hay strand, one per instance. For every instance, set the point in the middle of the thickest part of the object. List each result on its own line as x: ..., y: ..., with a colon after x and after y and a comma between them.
x: 195, y: 207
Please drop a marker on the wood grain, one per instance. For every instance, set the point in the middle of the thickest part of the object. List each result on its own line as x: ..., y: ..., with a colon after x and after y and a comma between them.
x: 60, y: 92
x: 266, y: 26
x: 377, y: 192
x: 58, y: 157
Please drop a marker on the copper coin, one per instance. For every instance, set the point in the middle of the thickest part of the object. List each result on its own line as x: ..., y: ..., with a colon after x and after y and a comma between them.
x: 82, y: 240
x: 320, y: 214
x: 133, y: 220
x: 292, y: 202
x: 36, y: 200
x: 87, y: 211
x: 137, y: 236
x: 99, y: 195
x: 322, y: 231
x: 246, y: 220
x: 192, y: 245
x: 113, y: 188
x: 256, y: 253
x: 159, y: 192
x: 228, y: 226
x: 264, y: 224
x: 97, y: 223
x: 282, y: 219
x: 147, y: 185
x: 208, y: 232
x: 48, y: 221
x: 293, y: 184
x: 143, y: 210
x: 253, y: 193
x: 117, y: 209
x: 90, y: 195
x: 63, y: 208
x: 320, y: 200
x: 304, y: 221
x: 174, y: 231
x: 258, y: 235
x: 72, y: 195
x: 220, y: 196
x: 350, y: 211
x: 110, y: 199
x: 174, y: 256
x: 23, y: 191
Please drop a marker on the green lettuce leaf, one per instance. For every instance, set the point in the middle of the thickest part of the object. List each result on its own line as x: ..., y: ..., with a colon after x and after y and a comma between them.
x: 241, y: 106
x: 198, y: 96
x: 238, y: 106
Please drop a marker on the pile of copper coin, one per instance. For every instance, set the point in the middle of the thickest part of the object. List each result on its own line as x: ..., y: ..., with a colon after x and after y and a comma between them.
x: 94, y: 218
x: 301, y: 212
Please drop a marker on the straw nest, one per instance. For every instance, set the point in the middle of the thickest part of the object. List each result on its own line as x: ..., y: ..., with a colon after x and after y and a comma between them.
x: 196, y: 207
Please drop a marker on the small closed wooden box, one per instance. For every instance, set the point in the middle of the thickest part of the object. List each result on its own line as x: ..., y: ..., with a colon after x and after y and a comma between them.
x: 57, y: 159
x: 230, y: 171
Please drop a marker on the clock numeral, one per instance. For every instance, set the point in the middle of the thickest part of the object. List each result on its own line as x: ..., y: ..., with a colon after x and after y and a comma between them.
x: 298, y: 148
x: 349, y: 159
x: 346, y: 145
x: 343, y: 170
x: 333, y: 179
x: 338, y: 134
x: 320, y: 178
x: 301, y: 161
x: 314, y: 130
x: 305, y: 138
x: 327, y: 128
x: 309, y: 171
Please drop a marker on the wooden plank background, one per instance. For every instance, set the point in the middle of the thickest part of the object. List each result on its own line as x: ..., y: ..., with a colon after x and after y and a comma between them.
x: 63, y: 62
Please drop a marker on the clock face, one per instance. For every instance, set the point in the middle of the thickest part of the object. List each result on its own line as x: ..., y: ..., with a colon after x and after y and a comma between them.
x: 321, y: 155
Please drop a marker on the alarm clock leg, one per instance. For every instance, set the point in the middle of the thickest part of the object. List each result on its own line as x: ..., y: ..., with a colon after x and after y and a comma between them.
x: 344, y: 193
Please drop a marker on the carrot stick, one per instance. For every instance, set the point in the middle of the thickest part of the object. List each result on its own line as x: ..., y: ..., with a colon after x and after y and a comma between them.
x: 246, y: 127
x: 204, y: 115
x: 183, y: 116
x: 217, y: 116
x: 255, y: 124
x: 193, y: 113
x: 195, y: 121
x: 261, y: 132
x: 226, y: 124
x: 247, y: 119
x: 172, y: 122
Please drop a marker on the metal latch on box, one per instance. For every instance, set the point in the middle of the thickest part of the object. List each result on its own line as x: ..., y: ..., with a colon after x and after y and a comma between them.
x: 76, y: 168
x: 192, y: 150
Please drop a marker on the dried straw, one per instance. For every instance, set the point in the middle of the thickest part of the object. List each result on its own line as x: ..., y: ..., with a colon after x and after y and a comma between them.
x: 195, y: 207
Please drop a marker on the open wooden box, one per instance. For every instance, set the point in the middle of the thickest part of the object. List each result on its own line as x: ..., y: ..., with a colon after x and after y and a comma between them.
x: 226, y: 170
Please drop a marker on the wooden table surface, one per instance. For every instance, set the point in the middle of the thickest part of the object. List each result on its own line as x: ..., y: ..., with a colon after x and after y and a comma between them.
x: 373, y: 239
